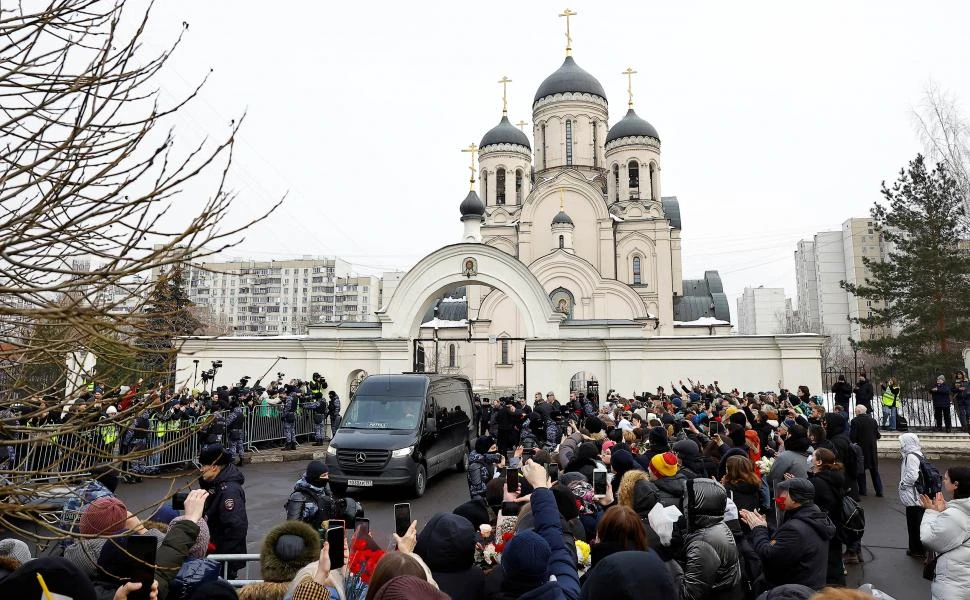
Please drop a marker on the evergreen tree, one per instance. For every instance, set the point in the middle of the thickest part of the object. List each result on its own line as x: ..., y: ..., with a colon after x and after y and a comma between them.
x: 169, y: 316
x: 921, y: 311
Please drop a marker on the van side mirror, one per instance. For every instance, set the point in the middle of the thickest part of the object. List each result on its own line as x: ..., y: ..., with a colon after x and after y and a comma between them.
x: 430, y: 425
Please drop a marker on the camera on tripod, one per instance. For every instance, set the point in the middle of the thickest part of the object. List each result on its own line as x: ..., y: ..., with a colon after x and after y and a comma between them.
x: 280, y: 375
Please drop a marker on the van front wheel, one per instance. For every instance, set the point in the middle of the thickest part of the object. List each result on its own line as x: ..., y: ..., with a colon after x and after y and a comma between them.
x: 462, y: 465
x: 420, y: 483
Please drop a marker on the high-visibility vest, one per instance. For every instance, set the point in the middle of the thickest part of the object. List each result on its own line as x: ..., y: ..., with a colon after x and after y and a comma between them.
x: 888, y: 397
x: 173, y: 424
x: 159, y: 427
x: 108, y: 433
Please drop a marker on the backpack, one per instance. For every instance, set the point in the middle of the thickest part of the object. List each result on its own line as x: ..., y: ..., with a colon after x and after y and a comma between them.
x: 929, y: 481
x: 853, y: 522
x: 860, y: 459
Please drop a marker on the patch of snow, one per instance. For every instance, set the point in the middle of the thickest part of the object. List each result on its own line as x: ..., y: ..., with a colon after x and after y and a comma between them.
x: 616, y: 218
x: 442, y: 323
x: 703, y: 321
x: 449, y: 299
x: 651, y: 316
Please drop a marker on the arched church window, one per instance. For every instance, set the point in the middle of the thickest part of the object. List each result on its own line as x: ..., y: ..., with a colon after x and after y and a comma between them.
x: 543, y: 132
x: 562, y: 241
x: 637, y: 279
x: 452, y: 355
x: 485, y: 186
x: 596, y: 145
x: 500, y: 186
x: 653, y: 175
x: 616, y: 183
x: 633, y: 169
x: 505, y: 352
x: 518, y: 186
x: 569, y: 142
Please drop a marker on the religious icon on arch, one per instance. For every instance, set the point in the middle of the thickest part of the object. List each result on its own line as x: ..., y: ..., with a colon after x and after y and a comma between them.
x: 470, y: 267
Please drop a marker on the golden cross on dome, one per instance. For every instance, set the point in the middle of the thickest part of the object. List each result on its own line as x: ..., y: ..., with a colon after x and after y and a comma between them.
x: 569, y: 40
x: 505, y: 81
x: 629, y: 85
x: 471, y: 149
x: 522, y: 124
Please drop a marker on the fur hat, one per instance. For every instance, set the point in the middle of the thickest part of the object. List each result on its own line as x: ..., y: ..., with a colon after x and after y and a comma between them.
x: 664, y: 465
x: 106, y: 515
x: 287, y: 548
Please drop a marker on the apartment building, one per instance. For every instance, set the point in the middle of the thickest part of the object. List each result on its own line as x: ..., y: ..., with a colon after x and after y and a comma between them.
x: 280, y: 297
x: 829, y: 258
x: 763, y: 311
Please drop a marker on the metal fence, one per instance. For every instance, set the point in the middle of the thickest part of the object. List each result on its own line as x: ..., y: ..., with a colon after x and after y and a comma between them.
x: 915, y: 400
x: 45, y: 456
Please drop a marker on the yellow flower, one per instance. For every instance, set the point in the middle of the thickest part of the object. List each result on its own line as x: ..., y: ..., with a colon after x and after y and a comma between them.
x: 583, y: 549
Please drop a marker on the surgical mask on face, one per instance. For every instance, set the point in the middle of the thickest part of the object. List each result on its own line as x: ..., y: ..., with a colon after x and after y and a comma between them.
x: 780, y: 502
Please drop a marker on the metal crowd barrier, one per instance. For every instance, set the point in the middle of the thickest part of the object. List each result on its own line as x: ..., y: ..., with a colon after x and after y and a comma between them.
x: 225, y: 558
x: 44, y: 456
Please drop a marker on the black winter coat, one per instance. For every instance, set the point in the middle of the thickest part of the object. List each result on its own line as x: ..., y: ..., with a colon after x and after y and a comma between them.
x: 800, y: 550
x: 864, y: 430
x: 843, y: 393
x: 225, y: 510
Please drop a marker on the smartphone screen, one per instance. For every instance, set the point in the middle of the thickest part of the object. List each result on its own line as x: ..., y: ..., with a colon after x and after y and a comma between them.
x: 141, y: 564
x: 552, y: 470
x: 512, y: 479
x: 362, y: 526
x: 599, y: 482
x: 402, y: 518
x: 335, y: 537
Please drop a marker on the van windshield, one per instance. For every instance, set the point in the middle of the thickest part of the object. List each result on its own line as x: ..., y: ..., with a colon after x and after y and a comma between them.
x: 383, y: 412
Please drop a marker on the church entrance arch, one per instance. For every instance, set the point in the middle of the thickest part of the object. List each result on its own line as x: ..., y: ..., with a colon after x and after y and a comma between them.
x: 584, y: 383
x: 468, y: 264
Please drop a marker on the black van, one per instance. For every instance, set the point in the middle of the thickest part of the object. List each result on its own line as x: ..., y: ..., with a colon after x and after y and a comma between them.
x: 402, y: 430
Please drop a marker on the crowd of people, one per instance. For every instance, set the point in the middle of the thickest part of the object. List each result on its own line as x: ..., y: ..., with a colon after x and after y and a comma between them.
x: 149, y: 427
x: 688, y: 494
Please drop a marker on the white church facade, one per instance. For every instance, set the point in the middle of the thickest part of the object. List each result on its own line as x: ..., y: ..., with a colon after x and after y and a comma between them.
x: 568, y: 270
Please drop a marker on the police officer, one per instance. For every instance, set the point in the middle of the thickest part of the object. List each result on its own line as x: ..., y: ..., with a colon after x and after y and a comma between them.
x: 136, y: 442
x: 334, y: 412
x: 225, y: 508
x: 312, y: 501
x: 235, y: 421
x: 288, y: 414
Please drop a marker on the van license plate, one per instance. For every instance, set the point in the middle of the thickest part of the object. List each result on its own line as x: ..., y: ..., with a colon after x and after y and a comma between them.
x: 360, y: 482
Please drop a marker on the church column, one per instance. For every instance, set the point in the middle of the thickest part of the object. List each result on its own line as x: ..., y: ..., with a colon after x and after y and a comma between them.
x: 665, y: 291
x: 624, y: 182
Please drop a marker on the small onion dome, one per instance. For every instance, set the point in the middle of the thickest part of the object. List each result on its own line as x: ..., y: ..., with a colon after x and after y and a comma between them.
x: 472, y: 205
x: 562, y: 219
x: 631, y: 126
x: 570, y: 78
x: 505, y: 133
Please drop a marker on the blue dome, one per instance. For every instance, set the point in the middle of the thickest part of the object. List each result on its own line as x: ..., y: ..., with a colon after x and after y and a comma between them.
x: 562, y: 218
x: 631, y: 126
x: 570, y: 78
x: 472, y: 205
x: 505, y: 133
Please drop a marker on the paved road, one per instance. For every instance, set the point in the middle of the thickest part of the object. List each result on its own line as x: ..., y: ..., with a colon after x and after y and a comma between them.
x: 267, y: 486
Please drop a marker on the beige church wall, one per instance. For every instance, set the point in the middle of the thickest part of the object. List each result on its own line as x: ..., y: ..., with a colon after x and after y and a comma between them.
x: 750, y: 363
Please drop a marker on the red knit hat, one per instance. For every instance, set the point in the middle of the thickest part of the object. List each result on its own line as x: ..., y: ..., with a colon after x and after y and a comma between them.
x: 664, y: 465
x: 104, y: 516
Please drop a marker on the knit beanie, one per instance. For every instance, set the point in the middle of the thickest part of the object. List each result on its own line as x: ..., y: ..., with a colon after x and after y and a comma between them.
x: 60, y: 576
x: 664, y: 465
x: 15, y: 549
x: 607, y: 445
x: 483, y: 444
x: 408, y: 587
x: 622, y: 461
x: 657, y: 437
x: 594, y: 425
x: 104, y: 516
x: 164, y: 514
x: 526, y: 558
x: 201, y: 545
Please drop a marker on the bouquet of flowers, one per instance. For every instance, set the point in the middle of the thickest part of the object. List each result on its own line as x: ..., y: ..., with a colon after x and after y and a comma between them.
x: 364, y: 554
x: 765, y: 465
x: 583, y: 557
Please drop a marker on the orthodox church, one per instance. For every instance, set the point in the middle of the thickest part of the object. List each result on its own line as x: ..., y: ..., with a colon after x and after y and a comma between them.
x: 567, y: 276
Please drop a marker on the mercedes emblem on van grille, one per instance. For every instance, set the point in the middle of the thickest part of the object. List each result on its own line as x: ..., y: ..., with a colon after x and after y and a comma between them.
x: 360, y: 458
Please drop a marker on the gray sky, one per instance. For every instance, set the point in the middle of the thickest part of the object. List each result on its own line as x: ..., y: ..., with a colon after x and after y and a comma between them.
x: 776, y: 119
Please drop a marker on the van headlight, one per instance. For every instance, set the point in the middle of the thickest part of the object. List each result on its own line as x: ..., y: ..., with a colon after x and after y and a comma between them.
x: 331, y: 450
x: 402, y: 452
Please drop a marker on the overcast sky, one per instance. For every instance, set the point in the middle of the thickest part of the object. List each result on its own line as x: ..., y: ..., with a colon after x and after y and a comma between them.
x: 776, y: 119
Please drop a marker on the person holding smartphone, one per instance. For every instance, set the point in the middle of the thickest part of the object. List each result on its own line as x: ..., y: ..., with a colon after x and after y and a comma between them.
x: 482, y: 462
